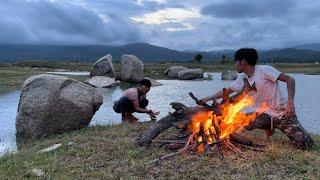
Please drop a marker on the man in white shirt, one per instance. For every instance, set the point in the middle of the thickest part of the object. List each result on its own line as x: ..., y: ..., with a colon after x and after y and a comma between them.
x: 281, y: 113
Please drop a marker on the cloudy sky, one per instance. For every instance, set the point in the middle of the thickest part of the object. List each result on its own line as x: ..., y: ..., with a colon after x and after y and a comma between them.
x: 176, y: 24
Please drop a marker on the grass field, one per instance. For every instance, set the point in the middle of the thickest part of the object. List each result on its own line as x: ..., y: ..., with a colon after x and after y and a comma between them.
x: 110, y: 152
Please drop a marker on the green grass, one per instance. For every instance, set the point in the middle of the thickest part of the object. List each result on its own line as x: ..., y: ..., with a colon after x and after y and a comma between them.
x: 12, y: 76
x: 110, y: 152
x: 305, y: 68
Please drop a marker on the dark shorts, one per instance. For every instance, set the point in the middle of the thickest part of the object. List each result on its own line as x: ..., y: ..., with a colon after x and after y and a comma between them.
x: 289, y: 126
x: 125, y: 105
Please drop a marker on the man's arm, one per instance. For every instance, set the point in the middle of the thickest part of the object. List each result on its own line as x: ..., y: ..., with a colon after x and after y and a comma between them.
x: 290, y: 109
x: 138, y: 109
x: 216, y: 96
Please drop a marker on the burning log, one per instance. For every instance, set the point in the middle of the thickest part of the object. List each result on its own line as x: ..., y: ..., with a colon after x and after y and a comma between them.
x: 182, y: 113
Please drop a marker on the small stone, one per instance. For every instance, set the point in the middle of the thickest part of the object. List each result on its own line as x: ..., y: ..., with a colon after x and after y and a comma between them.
x: 71, y: 143
x: 51, y: 148
x: 38, y: 172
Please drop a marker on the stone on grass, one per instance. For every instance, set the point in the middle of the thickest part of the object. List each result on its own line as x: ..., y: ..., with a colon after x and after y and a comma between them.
x: 189, y: 74
x: 51, y: 104
x: 38, y: 172
x: 131, y: 69
x: 103, y: 67
x: 173, y: 71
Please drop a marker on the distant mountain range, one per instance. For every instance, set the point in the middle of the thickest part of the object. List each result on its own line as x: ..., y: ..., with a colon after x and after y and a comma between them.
x: 147, y: 53
x: 314, y: 46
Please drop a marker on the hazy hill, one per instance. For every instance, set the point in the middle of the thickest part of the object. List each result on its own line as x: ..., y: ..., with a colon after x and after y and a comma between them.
x: 290, y: 55
x: 146, y: 52
x: 314, y: 46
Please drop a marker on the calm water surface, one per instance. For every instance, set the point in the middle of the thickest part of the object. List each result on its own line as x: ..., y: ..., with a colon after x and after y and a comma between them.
x: 306, y: 102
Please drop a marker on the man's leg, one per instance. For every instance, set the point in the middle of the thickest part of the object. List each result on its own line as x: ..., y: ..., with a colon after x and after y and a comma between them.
x: 295, y: 132
x: 126, y: 109
x: 263, y: 121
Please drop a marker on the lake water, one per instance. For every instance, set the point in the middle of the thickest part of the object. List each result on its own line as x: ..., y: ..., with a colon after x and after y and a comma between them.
x: 306, y: 102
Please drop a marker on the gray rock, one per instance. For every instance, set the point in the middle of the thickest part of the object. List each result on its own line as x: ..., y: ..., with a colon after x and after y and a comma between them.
x: 153, y: 82
x: 189, y: 74
x: 131, y: 68
x: 103, y: 67
x: 51, y: 104
x: 173, y: 71
x: 101, y: 81
x: 229, y: 75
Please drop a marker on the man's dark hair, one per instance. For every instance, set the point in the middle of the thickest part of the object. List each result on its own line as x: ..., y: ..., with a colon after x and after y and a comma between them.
x: 145, y: 82
x: 249, y: 54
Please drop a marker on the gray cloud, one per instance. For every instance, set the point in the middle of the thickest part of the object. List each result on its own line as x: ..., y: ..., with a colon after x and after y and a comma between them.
x: 62, y: 22
x: 247, y: 8
x: 224, y: 24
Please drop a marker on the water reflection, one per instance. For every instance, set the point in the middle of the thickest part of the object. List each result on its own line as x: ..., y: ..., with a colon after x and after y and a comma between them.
x: 8, y: 108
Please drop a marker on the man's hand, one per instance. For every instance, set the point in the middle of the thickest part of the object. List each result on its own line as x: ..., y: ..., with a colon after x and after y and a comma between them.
x: 154, y: 113
x: 290, y: 109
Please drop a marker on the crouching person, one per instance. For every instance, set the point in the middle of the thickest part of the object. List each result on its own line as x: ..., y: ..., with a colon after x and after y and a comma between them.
x: 134, y: 100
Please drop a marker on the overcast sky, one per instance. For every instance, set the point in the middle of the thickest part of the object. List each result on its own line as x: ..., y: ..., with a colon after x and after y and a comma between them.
x: 176, y: 24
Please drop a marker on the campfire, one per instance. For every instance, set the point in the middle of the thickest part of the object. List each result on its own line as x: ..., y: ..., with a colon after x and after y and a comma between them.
x: 210, y: 129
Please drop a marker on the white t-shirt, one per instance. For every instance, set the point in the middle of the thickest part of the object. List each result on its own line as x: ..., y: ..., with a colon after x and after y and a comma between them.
x: 268, y: 91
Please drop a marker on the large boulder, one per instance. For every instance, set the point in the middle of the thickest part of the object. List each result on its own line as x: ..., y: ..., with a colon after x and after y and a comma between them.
x: 173, y: 71
x: 51, y: 104
x: 189, y: 74
x: 131, y: 68
x: 229, y: 75
x: 103, y: 67
x: 102, y: 82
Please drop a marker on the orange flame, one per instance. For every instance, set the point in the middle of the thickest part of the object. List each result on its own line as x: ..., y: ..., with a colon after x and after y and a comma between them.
x: 231, y: 120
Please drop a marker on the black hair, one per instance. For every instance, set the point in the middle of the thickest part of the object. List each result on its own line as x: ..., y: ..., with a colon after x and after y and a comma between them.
x: 145, y: 82
x: 249, y: 54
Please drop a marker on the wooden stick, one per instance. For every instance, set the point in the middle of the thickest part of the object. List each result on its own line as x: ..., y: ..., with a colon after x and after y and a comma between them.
x: 217, y: 136
x: 169, y: 141
x: 197, y: 101
x: 252, y: 148
x: 235, y: 149
x: 169, y: 155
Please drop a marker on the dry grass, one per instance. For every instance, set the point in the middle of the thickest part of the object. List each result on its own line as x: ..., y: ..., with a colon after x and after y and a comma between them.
x: 110, y: 152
